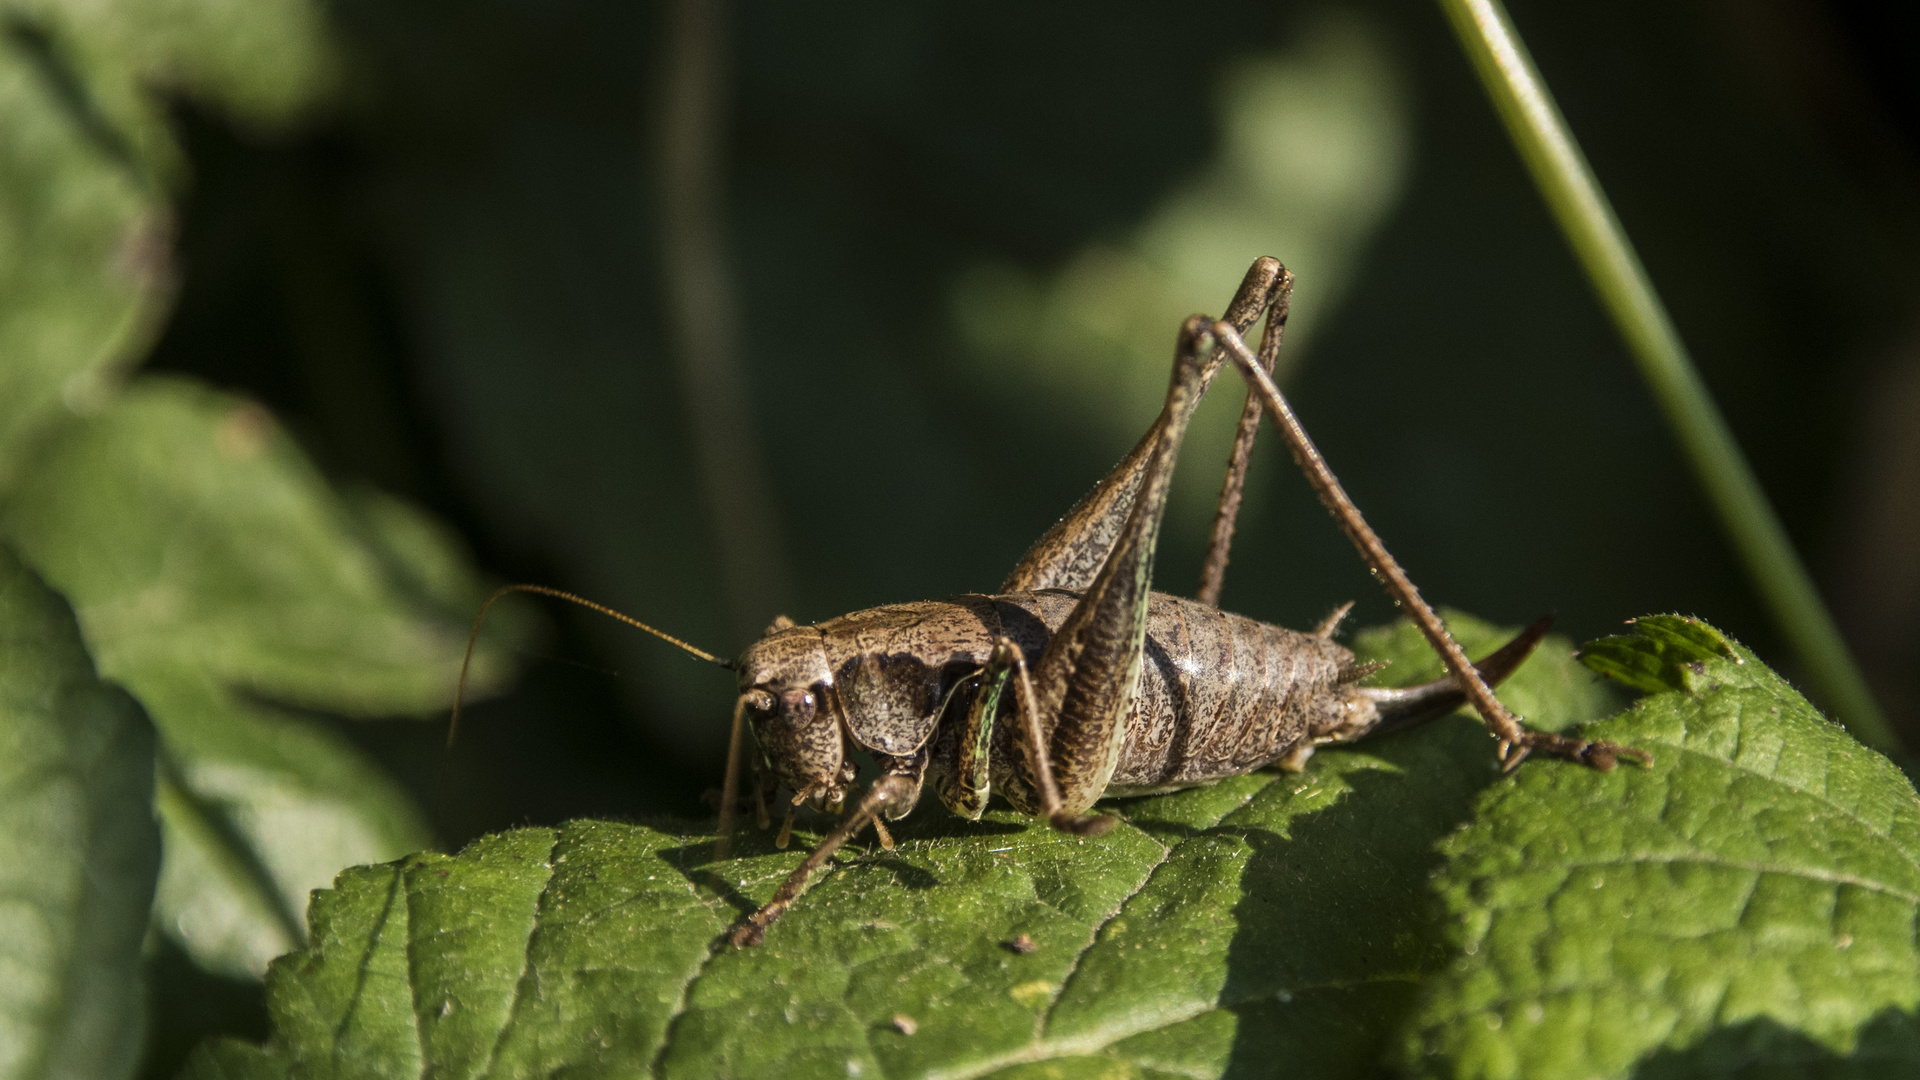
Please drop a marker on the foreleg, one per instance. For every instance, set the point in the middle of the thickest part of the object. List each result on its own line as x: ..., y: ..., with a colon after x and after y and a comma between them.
x: 884, y: 792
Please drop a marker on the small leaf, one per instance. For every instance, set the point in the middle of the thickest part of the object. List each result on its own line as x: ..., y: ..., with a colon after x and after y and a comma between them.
x: 1267, y: 917
x: 1751, y: 898
x: 1662, y: 653
x: 78, y: 846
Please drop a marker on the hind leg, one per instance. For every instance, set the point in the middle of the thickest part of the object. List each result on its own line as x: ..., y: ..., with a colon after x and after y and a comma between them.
x: 1213, y: 572
x: 1516, y: 741
x: 1073, y: 718
x: 1071, y: 553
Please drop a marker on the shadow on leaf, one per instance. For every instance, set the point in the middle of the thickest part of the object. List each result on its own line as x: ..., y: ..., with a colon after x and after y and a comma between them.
x: 905, y: 874
x: 1335, y: 925
x: 1765, y: 1049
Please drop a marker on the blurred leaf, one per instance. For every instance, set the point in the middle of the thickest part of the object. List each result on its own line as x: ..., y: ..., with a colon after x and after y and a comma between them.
x: 82, y: 238
x: 259, y: 809
x: 191, y: 532
x: 214, y: 572
x: 421, y: 556
x: 78, y: 846
x: 263, y: 60
x: 87, y: 164
x: 217, y: 567
x: 1554, y: 694
x: 1749, y: 900
x: 1263, y: 918
x: 1313, y: 156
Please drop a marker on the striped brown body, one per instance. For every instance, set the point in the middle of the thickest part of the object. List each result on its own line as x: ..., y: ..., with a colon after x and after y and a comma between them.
x: 1218, y: 694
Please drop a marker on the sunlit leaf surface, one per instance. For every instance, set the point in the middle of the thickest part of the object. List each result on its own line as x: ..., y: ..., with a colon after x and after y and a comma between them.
x: 1748, y: 903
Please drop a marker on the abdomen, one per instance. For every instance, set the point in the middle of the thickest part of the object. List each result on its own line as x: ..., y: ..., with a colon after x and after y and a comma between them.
x: 1221, y: 694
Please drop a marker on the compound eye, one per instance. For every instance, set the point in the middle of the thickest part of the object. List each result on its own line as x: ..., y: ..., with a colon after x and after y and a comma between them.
x: 798, y: 706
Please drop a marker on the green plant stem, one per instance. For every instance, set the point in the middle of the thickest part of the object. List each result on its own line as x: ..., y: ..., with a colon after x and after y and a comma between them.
x: 1587, y: 218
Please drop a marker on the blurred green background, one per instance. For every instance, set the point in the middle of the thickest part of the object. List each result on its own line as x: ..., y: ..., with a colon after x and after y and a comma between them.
x: 958, y: 243
x: 717, y: 312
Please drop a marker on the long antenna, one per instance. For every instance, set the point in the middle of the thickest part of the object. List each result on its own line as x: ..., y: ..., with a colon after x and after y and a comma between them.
x: 460, y: 688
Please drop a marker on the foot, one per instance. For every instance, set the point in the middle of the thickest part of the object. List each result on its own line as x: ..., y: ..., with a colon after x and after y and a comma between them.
x: 1092, y: 825
x: 1595, y: 753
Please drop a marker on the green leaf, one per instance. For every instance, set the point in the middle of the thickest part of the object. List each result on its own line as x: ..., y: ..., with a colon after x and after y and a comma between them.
x: 82, y: 265
x: 265, y: 61
x: 259, y: 808
x: 1267, y: 917
x: 1664, y: 652
x: 215, y: 572
x: 78, y: 846
x: 1750, y: 900
x: 191, y: 532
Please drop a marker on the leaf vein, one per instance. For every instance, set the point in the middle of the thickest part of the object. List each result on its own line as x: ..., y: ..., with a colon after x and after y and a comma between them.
x: 685, y: 992
x: 1141, y: 1023
x: 1045, y: 1018
x: 365, y: 967
x: 1821, y: 797
x: 526, y: 963
x: 1811, y: 873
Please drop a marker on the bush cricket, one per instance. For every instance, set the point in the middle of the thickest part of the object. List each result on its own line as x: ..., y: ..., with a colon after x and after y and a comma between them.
x: 1076, y: 680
